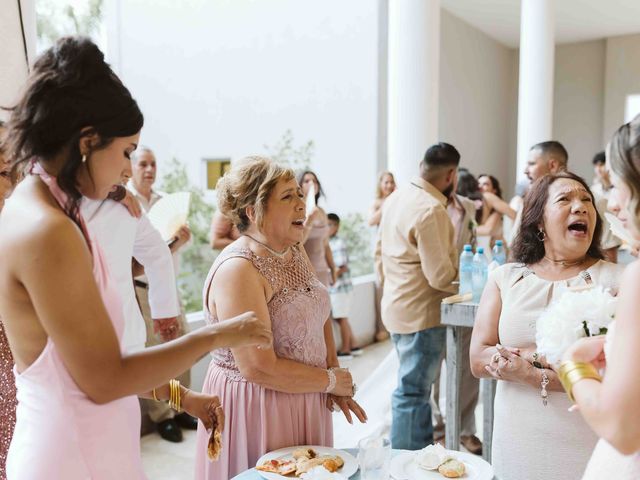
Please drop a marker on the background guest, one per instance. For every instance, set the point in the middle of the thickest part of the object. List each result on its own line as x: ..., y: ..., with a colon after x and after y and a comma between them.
x: 544, y: 158
x: 601, y: 189
x: 557, y: 247
x: 144, y: 173
x: 417, y: 261
x: 223, y: 232
x: 316, y: 234
x: 341, y: 292
x: 281, y: 396
x: 385, y: 187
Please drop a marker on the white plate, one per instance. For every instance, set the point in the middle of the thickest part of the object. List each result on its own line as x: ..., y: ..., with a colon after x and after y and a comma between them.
x: 349, y: 468
x: 403, y: 467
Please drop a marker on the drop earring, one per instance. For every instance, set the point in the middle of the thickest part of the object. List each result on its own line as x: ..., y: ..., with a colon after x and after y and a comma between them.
x: 84, y: 159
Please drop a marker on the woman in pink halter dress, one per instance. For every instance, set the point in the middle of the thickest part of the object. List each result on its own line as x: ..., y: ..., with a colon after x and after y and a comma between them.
x: 278, y: 397
x: 78, y: 417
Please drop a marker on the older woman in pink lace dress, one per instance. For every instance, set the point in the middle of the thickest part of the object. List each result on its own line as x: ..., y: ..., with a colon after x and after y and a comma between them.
x: 281, y: 396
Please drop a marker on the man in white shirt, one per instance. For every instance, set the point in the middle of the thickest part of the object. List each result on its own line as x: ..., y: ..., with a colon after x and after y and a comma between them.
x: 144, y: 170
x: 544, y: 157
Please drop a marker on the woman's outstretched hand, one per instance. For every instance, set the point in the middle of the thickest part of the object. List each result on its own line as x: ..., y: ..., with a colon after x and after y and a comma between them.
x: 243, y: 331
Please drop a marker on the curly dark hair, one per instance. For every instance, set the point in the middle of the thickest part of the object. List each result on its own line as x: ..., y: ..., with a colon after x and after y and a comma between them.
x: 527, y: 247
x: 71, y: 92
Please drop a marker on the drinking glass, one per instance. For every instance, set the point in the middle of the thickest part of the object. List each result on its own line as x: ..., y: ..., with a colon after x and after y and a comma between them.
x: 374, y: 455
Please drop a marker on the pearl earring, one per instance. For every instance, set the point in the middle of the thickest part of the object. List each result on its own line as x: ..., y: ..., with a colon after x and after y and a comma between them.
x: 84, y: 159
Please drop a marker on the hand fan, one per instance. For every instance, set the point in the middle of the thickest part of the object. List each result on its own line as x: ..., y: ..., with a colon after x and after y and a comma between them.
x: 617, y: 228
x: 311, y: 199
x: 170, y: 213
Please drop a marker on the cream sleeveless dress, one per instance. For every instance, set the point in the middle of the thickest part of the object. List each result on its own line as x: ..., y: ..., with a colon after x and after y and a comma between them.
x: 531, y: 441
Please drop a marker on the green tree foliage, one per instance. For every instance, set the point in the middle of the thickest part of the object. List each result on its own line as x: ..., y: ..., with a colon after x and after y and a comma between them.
x: 287, y: 154
x: 197, y: 257
x: 357, y: 235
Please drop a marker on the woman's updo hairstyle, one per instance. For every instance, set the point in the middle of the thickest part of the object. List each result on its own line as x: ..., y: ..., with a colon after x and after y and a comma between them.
x: 623, y: 156
x: 249, y: 183
x: 70, y: 93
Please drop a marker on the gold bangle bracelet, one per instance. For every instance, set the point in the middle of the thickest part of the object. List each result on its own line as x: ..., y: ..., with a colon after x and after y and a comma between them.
x: 174, y: 394
x: 154, y: 395
x: 571, y: 373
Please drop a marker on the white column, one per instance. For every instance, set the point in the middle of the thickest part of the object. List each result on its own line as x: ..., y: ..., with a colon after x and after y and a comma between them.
x: 535, y: 92
x: 414, y: 56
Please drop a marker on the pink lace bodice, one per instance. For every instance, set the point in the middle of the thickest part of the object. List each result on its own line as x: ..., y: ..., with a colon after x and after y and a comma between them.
x: 298, y: 308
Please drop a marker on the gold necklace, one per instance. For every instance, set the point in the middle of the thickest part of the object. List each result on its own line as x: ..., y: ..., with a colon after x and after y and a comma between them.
x: 271, y: 250
x: 566, y: 263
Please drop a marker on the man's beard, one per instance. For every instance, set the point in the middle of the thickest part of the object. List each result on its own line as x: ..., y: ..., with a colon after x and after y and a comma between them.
x: 448, y: 191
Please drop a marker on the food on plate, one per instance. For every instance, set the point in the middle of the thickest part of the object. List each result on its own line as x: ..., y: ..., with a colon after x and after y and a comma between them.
x: 452, y: 468
x: 432, y: 456
x: 304, y: 460
x: 304, y: 453
x: 281, y: 467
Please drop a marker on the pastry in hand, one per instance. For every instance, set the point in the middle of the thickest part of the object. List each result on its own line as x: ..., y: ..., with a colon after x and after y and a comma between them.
x: 452, y: 469
x: 215, y: 440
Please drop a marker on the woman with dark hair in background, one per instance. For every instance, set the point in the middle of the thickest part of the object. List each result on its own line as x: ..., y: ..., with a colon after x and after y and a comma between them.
x: 494, y: 208
x: 557, y: 247
x: 72, y: 134
x: 316, y: 231
x: 490, y: 207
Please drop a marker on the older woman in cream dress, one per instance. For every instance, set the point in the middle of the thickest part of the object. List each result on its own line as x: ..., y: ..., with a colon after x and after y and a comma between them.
x: 557, y: 248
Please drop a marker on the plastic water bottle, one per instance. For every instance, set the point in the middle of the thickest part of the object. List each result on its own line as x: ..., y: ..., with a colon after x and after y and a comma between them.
x: 466, y: 270
x: 499, y: 255
x: 480, y: 272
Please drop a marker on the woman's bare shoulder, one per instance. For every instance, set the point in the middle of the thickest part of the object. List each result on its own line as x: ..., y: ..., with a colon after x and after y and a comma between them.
x: 32, y: 222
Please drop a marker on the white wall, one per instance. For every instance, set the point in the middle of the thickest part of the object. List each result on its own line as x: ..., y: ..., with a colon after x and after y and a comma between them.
x: 221, y: 78
x: 622, y: 78
x: 477, y: 98
x: 579, y: 102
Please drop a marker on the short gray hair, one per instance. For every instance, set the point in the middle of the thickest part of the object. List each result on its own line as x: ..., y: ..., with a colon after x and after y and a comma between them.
x: 139, y: 151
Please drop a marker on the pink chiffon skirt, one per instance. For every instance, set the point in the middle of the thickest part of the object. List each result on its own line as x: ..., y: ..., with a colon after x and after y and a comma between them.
x: 259, y: 420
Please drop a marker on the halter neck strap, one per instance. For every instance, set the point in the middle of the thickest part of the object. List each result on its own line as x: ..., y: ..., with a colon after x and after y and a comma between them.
x: 61, y: 198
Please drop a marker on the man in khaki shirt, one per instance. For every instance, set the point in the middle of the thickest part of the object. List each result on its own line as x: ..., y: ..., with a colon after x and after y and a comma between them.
x: 417, y: 260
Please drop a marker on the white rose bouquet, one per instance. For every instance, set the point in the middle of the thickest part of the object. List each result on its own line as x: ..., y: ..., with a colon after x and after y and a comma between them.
x: 576, y: 314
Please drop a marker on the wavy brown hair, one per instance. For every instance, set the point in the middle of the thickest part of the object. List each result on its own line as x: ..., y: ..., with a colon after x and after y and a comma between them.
x: 527, y: 247
x: 624, y: 160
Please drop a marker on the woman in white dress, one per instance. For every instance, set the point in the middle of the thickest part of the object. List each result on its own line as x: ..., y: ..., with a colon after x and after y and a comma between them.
x: 557, y: 247
x: 610, y: 407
